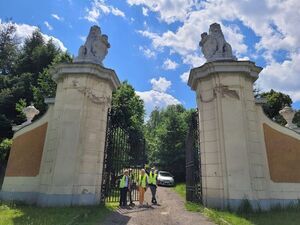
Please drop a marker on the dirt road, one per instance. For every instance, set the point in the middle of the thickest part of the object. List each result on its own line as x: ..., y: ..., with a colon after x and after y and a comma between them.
x: 169, y: 211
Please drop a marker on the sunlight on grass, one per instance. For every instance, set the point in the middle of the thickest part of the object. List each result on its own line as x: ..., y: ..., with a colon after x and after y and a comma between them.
x: 289, y: 216
x: 12, y: 214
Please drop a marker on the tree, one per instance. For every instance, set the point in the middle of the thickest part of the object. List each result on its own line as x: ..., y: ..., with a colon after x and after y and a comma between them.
x: 296, y: 119
x: 4, y: 149
x: 5, y: 127
x: 165, y: 134
x: 4, y: 153
x: 8, y: 48
x: 26, y: 75
x: 128, y: 108
x: 46, y: 87
x: 275, y: 102
x: 36, y: 55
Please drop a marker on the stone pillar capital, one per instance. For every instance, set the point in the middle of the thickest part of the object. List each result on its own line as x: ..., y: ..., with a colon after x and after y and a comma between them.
x: 80, y: 69
x: 223, y: 67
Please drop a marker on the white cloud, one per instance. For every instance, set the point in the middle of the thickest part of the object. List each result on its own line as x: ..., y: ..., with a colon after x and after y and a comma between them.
x: 147, y: 52
x: 169, y: 11
x: 145, y: 11
x: 82, y: 38
x: 185, y: 77
x: 194, y: 59
x: 169, y: 64
x: 48, y: 25
x: 283, y: 76
x: 117, y: 12
x: 100, y: 7
x: 57, y: 17
x: 274, y: 22
x: 153, y: 99
x: 157, y: 96
x: 24, y: 31
x: 161, y: 84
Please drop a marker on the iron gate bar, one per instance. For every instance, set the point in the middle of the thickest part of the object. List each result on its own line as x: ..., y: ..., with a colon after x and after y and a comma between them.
x: 123, y: 150
x: 193, y: 161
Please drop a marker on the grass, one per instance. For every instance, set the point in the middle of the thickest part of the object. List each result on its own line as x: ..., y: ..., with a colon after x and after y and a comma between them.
x: 16, y: 214
x: 180, y: 189
x: 277, y: 216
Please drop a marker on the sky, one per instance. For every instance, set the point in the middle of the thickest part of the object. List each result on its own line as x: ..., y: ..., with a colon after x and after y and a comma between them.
x: 155, y: 43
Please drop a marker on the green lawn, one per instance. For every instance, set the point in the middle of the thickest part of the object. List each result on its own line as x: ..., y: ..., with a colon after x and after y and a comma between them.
x: 11, y: 214
x: 290, y: 216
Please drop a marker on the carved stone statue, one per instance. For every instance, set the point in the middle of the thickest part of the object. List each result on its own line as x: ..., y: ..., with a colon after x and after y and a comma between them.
x: 213, y: 45
x: 95, y: 48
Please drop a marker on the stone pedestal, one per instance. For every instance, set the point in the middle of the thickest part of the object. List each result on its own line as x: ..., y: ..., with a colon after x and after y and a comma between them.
x: 72, y: 162
x: 228, y: 130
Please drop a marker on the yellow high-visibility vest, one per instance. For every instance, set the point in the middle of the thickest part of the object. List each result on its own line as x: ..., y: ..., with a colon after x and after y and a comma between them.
x: 143, y: 181
x: 152, y: 178
x: 123, y: 182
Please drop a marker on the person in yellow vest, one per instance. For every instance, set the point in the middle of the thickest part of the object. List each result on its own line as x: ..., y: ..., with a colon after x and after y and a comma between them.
x: 152, y: 180
x: 124, y: 183
x: 142, y: 183
x: 131, y: 186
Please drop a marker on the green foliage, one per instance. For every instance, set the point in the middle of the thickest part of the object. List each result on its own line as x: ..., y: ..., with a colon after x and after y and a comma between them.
x: 5, y: 127
x: 128, y: 108
x: 20, y: 105
x: 8, y: 48
x: 296, y: 119
x: 275, y: 102
x: 4, y: 149
x: 24, y: 74
x: 165, y: 134
x: 46, y: 87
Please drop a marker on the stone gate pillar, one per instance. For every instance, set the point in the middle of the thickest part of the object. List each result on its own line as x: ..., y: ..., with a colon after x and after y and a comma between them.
x: 227, y: 121
x: 72, y: 161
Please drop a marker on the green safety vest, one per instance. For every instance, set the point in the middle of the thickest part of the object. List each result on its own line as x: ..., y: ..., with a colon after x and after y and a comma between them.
x: 123, y: 182
x: 143, y: 181
x: 152, y: 178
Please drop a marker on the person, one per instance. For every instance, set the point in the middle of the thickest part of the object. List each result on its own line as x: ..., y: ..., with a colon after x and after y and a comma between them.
x: 152, y: 184
x: 124, y: 182
x: 131, y: 186
x: 142, y: 183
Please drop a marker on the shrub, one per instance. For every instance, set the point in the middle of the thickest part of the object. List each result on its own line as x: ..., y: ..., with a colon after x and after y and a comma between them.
x: 4, y: 149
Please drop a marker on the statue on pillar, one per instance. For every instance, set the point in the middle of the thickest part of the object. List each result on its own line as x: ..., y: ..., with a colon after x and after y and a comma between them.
x: 95, y: 48
x: 214, y: 46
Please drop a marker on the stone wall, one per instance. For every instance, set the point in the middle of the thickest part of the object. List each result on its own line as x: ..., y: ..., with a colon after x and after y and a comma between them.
x: 26, y: 153
x: 65, y: 167
x: 283, y: 154
x: 21, y: 181
x: 240, y: 155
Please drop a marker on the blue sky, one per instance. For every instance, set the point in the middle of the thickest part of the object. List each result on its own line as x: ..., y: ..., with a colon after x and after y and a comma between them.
x: 154, y: 43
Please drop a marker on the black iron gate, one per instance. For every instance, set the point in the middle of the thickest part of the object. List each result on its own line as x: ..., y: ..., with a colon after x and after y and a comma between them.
x: 193, y: 161
x: 123, y: 150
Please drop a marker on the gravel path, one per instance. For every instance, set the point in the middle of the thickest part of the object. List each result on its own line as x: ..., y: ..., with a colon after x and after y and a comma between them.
x: 169, y: 211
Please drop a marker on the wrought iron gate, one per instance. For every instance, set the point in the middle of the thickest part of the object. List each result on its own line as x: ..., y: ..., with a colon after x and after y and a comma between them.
x: 123, y: 150
x: 193, y: 161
